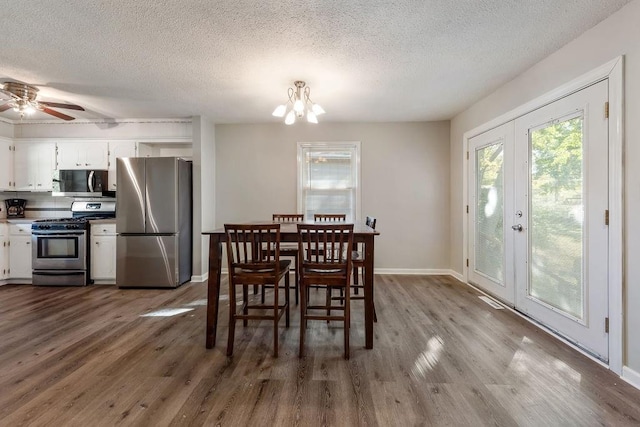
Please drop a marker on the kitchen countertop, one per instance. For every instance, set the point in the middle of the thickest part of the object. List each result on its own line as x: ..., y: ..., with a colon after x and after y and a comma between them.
x: 17, y: 220
x: 103, y: 221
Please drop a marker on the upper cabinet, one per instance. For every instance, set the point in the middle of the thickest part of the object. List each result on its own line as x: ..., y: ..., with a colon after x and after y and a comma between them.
x: 83, y: 155
x: 6, y: 165
x: 34, y: 163
x: 118, y: 149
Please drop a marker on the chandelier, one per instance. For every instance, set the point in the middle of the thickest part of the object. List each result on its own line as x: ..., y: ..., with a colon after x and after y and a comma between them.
x: 299, y: 105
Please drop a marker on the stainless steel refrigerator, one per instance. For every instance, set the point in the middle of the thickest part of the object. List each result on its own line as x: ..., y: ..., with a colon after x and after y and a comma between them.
x: 153, y: 222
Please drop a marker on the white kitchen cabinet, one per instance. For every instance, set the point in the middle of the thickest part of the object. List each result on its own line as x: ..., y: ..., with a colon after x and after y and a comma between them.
x: 103, y: 253
x: 20, y: 251
x: 4, y: 252
x: 119, y: 149
x: 6, y: 165
x: 92, y: 155
x: 34, y: 163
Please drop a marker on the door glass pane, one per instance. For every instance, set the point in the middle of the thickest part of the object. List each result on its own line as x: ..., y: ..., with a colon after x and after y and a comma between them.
x: 58, y: 247
x: 489, y: 247
x: 556, y: 216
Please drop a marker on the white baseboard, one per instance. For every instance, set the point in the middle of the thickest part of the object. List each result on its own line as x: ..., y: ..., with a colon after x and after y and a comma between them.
x: 104, y: 282
x: 415, y: 271
x: 631, y: 376
x: 200, y: 278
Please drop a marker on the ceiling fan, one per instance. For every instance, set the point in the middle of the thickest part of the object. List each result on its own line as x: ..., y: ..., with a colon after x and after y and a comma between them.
x: 22, y: 98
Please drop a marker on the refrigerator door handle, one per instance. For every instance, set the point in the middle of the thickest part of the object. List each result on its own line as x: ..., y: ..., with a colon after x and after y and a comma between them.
x: 91, y: 180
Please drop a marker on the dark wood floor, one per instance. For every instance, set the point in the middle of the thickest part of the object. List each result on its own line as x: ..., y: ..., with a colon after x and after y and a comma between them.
x: 86, y: 357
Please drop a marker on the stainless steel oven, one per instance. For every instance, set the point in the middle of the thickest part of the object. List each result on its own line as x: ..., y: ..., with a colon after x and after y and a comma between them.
x: 59, y: 254
x: 60, y: 247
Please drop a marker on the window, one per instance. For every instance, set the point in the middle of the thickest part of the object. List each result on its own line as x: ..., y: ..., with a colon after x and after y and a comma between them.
x: 329, y: 178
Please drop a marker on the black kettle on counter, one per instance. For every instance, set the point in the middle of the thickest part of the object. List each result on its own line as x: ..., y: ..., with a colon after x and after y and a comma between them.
x: 15, y: 207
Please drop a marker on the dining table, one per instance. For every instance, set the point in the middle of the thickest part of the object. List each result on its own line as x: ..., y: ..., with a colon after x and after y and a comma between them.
x: 362, y: 234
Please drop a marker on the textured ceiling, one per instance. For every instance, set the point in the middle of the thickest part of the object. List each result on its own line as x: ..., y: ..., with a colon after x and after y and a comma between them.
x: 232, y: 61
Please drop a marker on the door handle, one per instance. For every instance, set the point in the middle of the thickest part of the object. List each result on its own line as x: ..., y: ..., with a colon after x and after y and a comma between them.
x: 517, y: 227
x: 90, y: 181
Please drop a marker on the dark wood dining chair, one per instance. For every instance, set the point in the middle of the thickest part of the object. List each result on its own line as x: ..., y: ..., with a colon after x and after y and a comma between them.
x: 329, y: 217
x: 290, y: 249
x: 253, y: 253
x: 325, y: 259
x: 358, y: 265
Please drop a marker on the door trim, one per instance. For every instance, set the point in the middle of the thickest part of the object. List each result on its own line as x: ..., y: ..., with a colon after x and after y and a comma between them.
x: 613, y: 72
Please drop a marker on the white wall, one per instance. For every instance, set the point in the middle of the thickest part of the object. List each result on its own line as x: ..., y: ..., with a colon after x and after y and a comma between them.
x: 405, y: 181
x: 6, y: 129
x: 120, y: 129
x: 617, y: 35
x: 204, y: 185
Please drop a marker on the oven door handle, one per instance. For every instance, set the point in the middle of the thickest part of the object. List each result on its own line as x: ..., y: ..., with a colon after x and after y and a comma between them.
x: 64, y: 233
x: 91, y: 180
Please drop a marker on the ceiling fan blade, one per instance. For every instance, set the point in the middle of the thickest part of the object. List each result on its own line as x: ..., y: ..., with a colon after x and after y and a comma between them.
x: 58, y: 105
x: 5, y: 107
x: 57, y: 114
x: 5, y: 95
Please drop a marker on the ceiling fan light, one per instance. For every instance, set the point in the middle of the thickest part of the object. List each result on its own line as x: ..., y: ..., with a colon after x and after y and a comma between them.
x: 291, y: 118
x: 317, y: 109
x: 280, y: 110
x: 28, y: 109
x: 311, y: 117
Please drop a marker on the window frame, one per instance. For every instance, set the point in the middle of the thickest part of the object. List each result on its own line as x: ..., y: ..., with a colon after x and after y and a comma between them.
x: 340, y: 145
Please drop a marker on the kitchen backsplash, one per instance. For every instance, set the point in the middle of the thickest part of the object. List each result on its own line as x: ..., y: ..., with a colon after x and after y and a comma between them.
x: 39, y: 205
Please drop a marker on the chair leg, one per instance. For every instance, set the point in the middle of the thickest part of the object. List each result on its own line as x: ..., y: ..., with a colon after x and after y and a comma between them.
x: 328, y: 303
x: 286, y: 300
x: 355, y: 279
x: 276, y: 302
x: 347, y: 321
x: 245, y: 300
x: 303, y: 320
x: 232, y: 319
x: 296, y: 285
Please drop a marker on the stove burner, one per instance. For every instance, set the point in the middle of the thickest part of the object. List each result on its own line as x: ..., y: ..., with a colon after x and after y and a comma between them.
x: 61, y: 220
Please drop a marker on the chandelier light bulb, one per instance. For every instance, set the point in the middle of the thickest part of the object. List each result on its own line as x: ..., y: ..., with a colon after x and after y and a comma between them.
x: 280, y: 110
x: 291, y: 118
x: 299, y: 105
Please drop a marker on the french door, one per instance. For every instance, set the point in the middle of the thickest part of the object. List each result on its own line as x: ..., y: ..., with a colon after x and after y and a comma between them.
x: 551, y: 263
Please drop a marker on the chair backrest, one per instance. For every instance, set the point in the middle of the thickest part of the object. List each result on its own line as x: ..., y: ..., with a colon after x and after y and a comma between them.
x: 329, y: 217
x: 371, y: 222
x: 253, y: 247
x: 325, y: 248
x: 288, y: 217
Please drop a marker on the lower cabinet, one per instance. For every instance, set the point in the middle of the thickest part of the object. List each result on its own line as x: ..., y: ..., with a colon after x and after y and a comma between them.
x: 103, y: 253
x: 20, y: 256
x: 4, y: 252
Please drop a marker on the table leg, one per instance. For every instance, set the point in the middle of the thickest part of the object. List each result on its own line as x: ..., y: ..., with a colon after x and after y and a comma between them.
x: 213, y: 288
x: 368, y: 291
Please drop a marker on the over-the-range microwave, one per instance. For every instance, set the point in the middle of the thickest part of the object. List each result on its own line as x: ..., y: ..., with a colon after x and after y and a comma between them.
x: 81, y: 183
